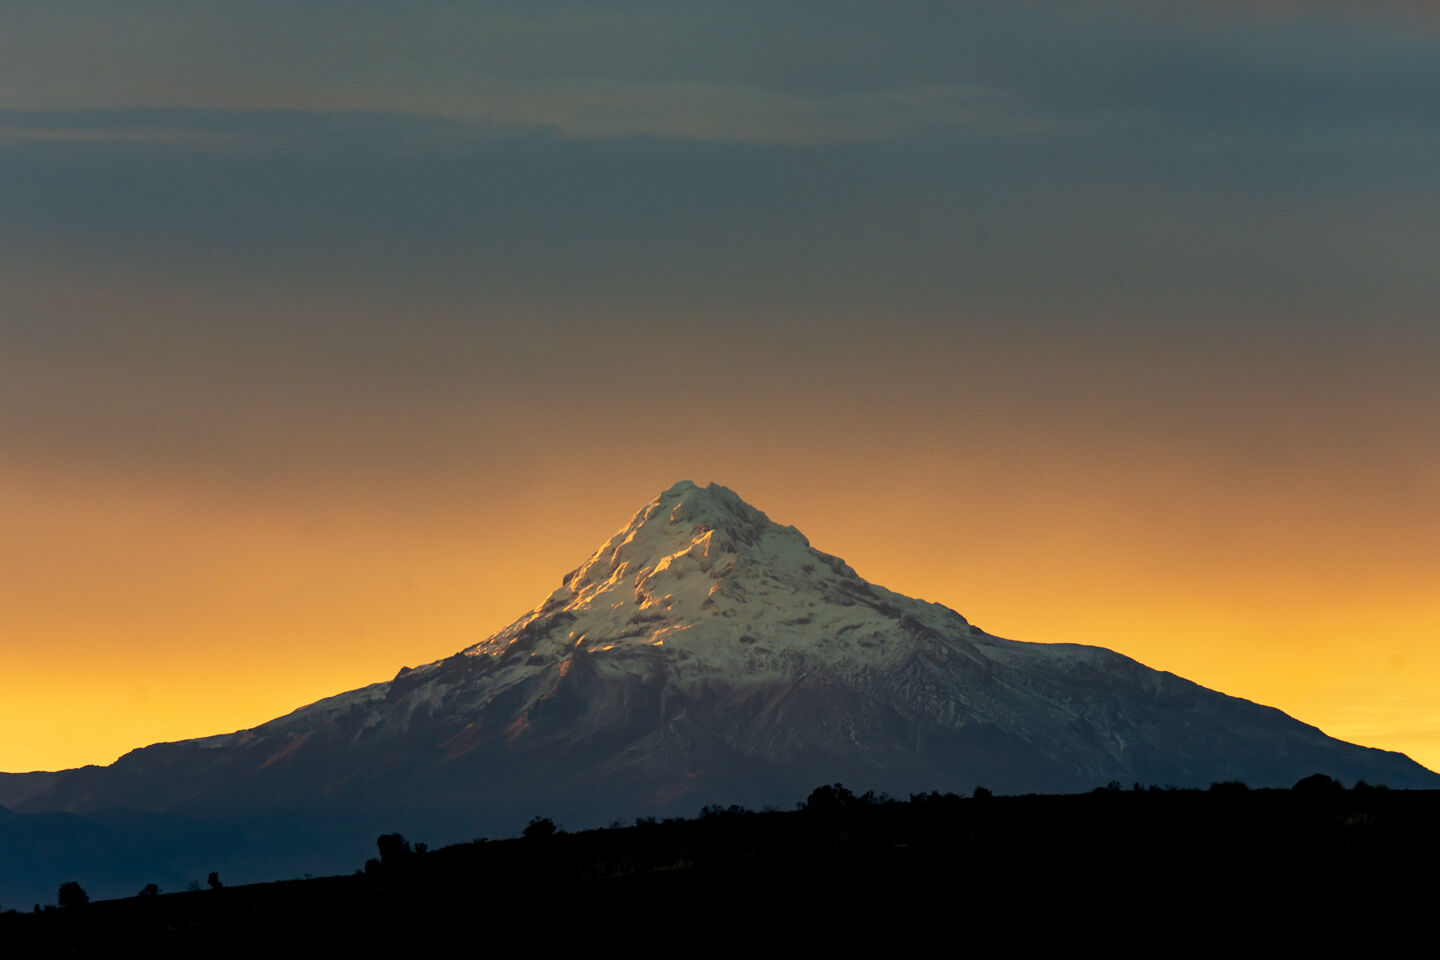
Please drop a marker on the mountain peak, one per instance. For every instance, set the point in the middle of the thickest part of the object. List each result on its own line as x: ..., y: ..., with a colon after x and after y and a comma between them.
x: 684, y: 520
x: 711, y: 506
x: 699, y: 567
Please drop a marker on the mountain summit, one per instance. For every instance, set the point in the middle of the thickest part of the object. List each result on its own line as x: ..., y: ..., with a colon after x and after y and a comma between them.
x: 729, y: 596
x: 705, y: 654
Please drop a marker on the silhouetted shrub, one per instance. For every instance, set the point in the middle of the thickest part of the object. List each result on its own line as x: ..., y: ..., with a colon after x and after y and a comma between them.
x: 72, y: 895
x: 149, y: 890
x: 981, y: 793
x: 214, y: 880
x: 1229, y: 786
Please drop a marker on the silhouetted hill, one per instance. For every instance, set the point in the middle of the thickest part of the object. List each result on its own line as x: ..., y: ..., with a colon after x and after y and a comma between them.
x: 15, y: 788
x: 1126, y: 864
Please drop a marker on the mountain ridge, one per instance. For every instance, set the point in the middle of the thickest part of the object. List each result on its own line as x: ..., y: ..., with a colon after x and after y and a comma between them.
x: 706, y: 654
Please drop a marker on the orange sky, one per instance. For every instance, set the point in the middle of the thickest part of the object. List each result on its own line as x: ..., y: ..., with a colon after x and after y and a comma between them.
x: 175, y: 622
x: 141, y: 608
x: 331, y: 339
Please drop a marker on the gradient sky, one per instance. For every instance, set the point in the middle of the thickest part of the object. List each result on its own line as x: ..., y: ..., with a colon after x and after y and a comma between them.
x: 333, y: 334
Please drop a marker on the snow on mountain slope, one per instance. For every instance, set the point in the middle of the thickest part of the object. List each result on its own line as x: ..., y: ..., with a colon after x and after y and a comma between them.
x: 725, y: 591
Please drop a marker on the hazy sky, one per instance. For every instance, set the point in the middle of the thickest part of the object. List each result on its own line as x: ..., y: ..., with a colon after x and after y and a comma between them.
x: 333, y: 334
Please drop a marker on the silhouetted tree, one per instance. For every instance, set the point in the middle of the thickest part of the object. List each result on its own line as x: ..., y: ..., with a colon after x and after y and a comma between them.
x: 72, y: 895
x: 214, y: 880
x: 149, y: 890
x: 982, y: 793
x: 393, y: 848
x: 1318, y: 785
x: 539, y: 828
x: 829, y: 798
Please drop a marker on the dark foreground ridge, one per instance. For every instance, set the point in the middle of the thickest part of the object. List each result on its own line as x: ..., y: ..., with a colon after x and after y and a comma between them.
x: 1272, y: 866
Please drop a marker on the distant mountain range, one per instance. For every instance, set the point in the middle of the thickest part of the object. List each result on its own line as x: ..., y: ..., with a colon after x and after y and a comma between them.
x: 704, y: 654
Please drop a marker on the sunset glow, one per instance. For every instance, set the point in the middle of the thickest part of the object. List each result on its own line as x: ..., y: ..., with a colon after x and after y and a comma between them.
x: 324, y: 357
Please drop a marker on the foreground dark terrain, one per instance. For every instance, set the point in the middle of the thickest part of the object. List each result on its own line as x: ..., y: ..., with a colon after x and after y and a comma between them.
x: 1116, y: 865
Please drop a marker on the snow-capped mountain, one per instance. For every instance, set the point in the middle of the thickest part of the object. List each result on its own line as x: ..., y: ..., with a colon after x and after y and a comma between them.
x: 705, y: 654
